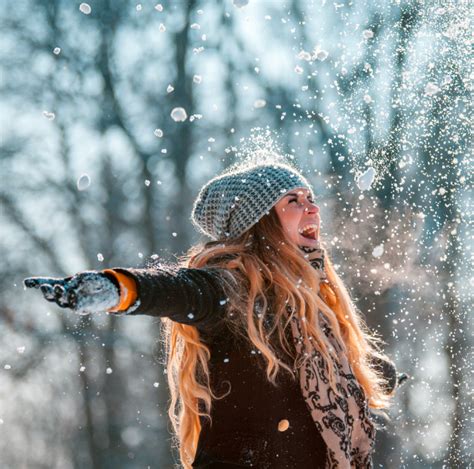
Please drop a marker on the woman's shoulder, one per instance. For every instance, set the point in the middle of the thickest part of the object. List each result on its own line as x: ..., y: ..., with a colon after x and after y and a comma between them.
x: 225, y: 268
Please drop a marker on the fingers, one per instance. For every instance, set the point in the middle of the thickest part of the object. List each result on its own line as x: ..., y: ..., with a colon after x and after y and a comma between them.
x: 60, y: 296
x: 71, y: 299
x: 48, y: 292
x: 37, y: 282
x: 76, y: 292
x: 53, y: 289
x: 55, y: 293
x: 402, y: 377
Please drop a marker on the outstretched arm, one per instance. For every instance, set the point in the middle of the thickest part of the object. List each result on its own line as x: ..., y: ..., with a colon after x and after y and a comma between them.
x: 188, y: 296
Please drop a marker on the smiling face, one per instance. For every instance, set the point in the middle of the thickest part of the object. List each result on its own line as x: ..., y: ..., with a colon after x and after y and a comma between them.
x: 299, y: 217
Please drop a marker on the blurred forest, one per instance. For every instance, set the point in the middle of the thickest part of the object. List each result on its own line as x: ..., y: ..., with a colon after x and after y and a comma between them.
x: 371, y: 99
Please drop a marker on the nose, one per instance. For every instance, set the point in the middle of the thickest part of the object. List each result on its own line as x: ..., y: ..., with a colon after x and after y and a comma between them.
x: 311, y: 208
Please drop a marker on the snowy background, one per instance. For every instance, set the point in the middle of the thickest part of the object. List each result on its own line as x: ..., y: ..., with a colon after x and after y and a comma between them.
x: 99, y: 167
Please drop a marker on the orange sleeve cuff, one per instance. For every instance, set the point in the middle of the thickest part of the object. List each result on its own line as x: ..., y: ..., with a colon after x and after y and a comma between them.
x: 128, y: 290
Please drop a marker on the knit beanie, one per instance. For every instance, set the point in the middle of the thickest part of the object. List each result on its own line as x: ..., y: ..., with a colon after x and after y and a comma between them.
x: 234, y: 201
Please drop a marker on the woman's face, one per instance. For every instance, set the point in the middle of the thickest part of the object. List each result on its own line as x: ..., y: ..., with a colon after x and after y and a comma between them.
x: 299, y: 217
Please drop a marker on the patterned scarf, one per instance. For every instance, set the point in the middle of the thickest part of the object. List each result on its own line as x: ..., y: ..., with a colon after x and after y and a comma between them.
x: 343, y: 422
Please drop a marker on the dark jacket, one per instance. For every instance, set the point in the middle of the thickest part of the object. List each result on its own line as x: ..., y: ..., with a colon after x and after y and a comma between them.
x: 245, y: 424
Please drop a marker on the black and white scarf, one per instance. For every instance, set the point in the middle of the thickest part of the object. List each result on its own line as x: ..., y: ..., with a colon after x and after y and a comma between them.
x: 343, y: 422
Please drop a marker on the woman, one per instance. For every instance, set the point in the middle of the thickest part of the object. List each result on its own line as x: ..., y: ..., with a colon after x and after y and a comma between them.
x: 269, y: 363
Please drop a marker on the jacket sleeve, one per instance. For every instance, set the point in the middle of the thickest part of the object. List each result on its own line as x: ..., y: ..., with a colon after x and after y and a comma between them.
x: 187, y: 296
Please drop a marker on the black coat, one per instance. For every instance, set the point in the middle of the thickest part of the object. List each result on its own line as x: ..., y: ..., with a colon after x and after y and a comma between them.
x: 245, y: 423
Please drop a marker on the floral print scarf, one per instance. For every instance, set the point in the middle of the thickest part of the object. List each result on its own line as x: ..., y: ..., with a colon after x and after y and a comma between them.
x: 343, y: 422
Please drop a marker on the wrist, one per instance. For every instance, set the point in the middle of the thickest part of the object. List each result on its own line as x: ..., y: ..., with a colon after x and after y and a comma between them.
x: 126, y: 287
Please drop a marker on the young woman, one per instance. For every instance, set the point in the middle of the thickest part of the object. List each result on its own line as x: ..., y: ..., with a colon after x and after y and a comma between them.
x: 269, y: 363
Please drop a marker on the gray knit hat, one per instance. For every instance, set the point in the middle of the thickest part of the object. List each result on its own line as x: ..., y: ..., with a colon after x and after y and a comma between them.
x: 233, y: 202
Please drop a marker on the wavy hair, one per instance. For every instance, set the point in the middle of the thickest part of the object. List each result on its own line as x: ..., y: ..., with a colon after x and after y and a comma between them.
x: 267, y: 280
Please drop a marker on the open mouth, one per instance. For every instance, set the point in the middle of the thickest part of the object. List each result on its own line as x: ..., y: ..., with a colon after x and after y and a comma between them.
x: 309, y: 231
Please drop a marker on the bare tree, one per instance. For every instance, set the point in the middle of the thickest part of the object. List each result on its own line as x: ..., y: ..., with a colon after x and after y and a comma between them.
x: 95, y: 173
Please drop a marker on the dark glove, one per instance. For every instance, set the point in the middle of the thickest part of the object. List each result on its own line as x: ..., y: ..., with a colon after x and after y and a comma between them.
x: 84, y: 293
x: 401, y: 378
x: 392, y: 377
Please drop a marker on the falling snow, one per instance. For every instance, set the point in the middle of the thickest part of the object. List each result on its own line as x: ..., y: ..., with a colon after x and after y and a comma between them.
x: 366, y: 179
x: 367, y: 98
x: 303, y: 55
x: 240, y: 3
x: 431, y: 89
x: 85, y: 8
x: 49, y: 115
x: 368, y: 34
x: 83, y: 182
x: 178, y: 114
x: 320, y: 54
x: 378, y: 251
x: 373, y: 101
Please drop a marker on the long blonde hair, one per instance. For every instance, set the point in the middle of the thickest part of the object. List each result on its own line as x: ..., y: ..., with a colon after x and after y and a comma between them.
x: 262, y: 268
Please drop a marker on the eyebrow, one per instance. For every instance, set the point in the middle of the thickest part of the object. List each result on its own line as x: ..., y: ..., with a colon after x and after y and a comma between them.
x: 293, y: 194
